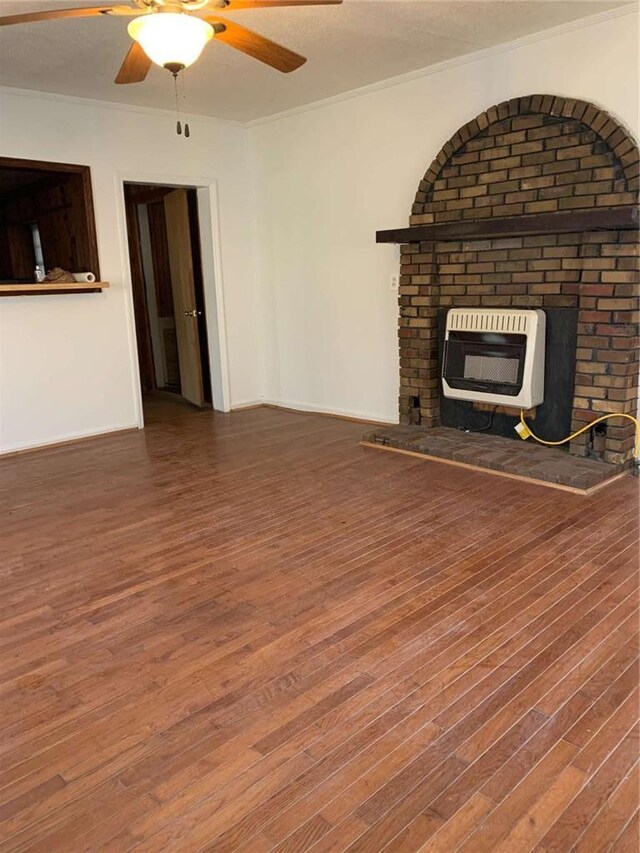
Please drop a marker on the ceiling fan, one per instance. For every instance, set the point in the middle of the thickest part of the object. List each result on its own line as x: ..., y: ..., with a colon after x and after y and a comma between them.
x: 173, y: 33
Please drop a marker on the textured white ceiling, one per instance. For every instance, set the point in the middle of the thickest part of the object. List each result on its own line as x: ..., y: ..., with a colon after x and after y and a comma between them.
x: 348, y: 46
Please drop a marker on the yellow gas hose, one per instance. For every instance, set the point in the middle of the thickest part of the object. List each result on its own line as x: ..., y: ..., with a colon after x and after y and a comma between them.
x: 527, y: 431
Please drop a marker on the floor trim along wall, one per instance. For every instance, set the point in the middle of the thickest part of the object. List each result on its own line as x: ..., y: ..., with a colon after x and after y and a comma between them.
x: 250, y: 404
x: 310, y: 411
x: 242, y: 407
x: 303, y: 409
x: 63, y: 442
x: 558, y: 486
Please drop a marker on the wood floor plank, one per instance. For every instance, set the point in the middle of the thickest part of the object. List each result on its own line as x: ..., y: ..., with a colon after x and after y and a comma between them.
x: 488, y: 764
x: 542, y: 814
x: 601, y: 710
x: 457, y: 829
x: 604, y: 740
x: 612, y: 819
x: 627, y: 840
x: 503, y: 819
x: 579, y: 813
x: 241, y: 631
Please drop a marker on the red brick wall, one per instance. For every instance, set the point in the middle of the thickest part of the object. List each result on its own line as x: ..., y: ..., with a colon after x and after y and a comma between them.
x: 530, y: 155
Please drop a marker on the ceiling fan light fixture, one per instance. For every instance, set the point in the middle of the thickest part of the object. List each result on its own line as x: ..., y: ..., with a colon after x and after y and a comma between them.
x: 172, y: 40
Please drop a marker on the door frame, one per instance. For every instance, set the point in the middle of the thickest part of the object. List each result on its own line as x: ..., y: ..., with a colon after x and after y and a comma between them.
x: 212, y: 280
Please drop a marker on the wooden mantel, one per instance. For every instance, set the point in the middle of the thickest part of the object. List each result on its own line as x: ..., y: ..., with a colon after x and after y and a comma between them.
x: 624, y: 217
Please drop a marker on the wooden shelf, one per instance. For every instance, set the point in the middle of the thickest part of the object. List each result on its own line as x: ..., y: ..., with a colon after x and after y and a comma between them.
x: 46, y: 288
x: 608, y: 219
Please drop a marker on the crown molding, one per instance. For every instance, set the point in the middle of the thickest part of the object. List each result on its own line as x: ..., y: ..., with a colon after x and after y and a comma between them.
x: 118, y: 106
x: 456, y: 62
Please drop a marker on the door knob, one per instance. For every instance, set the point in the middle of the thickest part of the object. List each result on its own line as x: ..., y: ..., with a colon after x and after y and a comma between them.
x: 192, y: 313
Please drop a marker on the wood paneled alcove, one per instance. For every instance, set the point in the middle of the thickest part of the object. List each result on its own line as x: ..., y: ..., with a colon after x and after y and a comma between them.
x: 56, y: 199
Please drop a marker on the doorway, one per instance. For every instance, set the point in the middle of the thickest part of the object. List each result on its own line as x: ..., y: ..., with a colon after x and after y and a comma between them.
x: 163, y: 232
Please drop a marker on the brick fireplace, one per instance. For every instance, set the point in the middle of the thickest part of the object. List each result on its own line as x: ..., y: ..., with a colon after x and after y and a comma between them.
x: 529, y: 162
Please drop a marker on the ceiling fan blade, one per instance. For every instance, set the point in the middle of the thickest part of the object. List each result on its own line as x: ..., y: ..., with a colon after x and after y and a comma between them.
x: 266, y: 4
x: 53, y: 14
x: 135, y: 67
x: 259, y: 47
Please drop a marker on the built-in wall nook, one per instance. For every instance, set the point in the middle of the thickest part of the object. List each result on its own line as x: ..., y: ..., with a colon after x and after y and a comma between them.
x: 46, y: 223
x: 530, y: 207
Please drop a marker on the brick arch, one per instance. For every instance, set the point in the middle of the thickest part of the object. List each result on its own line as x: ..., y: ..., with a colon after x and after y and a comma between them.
x: 538, y: 154
x: 608, y: 131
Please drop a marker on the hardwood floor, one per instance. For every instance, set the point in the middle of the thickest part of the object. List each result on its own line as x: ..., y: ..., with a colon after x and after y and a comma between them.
x: 244, y: 632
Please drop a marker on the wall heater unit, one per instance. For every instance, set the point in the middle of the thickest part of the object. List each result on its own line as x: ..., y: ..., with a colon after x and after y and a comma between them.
x: 494, y: 356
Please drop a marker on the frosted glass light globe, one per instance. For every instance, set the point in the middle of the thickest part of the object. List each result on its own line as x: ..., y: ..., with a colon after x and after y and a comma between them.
x: 171, y: 39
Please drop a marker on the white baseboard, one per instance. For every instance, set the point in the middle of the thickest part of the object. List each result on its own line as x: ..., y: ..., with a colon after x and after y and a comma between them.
x: 71, y: 438
x: 312, y: 408
x: 246, y: 404
x: 350, y: 414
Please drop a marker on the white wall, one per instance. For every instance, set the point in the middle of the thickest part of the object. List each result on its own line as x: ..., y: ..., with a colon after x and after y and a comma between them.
x: 67, y: 363
x: 316, y: 327
x: 328, y: 177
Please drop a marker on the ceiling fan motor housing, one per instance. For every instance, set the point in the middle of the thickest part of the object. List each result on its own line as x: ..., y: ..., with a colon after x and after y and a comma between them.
x: 181, y: 5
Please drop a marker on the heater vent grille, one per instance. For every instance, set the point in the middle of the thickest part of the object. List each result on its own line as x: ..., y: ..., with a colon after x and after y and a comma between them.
x: 490, y: 369
x: 488, y: 321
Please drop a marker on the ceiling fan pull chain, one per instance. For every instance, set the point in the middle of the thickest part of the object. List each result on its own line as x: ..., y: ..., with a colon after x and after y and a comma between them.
x: 175, y: 91
x: 187, y: 132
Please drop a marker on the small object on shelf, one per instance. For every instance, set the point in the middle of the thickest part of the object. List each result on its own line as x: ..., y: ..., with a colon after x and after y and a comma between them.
x: 58, y: 276
x: 84, y: 276
x: 39, y: 273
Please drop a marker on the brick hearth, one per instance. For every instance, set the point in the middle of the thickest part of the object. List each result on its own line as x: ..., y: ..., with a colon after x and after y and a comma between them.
x: 546, y: 464
x: 531, y: 155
